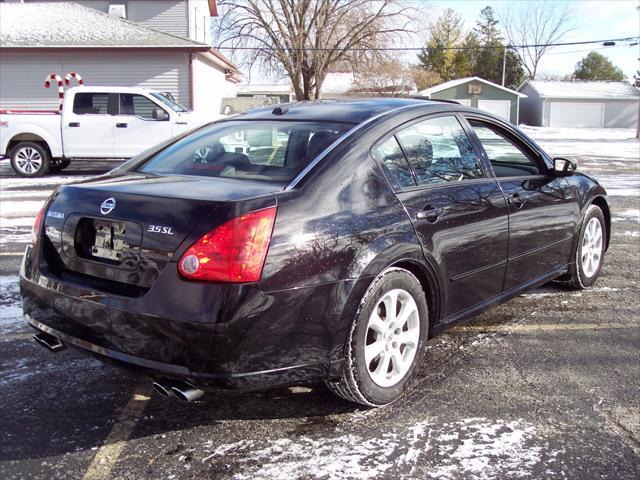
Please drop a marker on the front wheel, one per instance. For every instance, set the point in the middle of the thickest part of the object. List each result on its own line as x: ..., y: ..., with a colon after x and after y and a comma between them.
x: 386, y: 343
x: 29, y: 159
x: 590, y: 250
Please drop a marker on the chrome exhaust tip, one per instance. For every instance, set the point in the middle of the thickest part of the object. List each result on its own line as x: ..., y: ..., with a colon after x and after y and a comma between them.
x: 186, y: 392
x: 163, y: 390
x: 51, y: 343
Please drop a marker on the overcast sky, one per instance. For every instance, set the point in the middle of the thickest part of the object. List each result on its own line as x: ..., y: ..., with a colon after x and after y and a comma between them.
x: 592, y: 19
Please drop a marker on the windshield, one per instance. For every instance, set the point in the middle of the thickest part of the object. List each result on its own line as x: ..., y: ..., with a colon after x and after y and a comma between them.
x: 175, y: 106
x: 272, y: 151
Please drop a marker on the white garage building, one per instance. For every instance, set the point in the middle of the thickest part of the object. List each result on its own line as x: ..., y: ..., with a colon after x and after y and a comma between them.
x: 158, y: 44
x: 579, y: 104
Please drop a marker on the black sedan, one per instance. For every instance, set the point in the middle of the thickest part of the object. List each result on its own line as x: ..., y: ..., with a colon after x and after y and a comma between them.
x: 322, y: 241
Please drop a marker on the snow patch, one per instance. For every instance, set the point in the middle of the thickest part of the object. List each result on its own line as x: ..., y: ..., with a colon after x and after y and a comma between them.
x: 473, y: 447
x: 11, y: 319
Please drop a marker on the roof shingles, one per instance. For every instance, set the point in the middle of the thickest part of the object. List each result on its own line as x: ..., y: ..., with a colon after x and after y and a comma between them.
x: 68, y: 25
x: 584, y: 90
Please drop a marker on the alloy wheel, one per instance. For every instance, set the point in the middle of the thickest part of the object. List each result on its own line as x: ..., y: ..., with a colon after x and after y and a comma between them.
x: 392, y: 337
x: 28, y: 160
x: 591, y: 247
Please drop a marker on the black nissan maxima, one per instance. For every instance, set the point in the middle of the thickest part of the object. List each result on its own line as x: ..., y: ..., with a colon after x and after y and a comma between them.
x: 321, y: 241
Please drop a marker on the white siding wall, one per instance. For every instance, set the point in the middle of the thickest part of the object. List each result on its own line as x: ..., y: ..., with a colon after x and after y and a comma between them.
x: 200, y: 21
x: 166, y: 16
x: 22, y: 75
x: 210, y: 86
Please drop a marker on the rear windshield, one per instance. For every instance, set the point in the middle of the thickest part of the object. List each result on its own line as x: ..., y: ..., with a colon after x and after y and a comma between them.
x: 272, y: 151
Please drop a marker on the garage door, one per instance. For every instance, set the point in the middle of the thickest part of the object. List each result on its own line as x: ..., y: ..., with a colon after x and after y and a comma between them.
x: 462, y: 101
x: 500, y: 108
x: 567, y: 114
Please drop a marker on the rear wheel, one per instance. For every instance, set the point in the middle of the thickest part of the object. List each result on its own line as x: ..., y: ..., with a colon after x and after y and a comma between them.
x: 386, y: 342
x: 590, y: 250
x: 29, y: 159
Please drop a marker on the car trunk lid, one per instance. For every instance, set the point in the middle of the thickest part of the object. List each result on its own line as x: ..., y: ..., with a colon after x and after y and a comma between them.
x: 126, y: 229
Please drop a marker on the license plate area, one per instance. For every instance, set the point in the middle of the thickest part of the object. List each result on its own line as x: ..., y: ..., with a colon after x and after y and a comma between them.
x: 112, y: 242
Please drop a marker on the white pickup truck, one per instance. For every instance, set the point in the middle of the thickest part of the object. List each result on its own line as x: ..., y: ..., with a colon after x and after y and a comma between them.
x: 95, y: 122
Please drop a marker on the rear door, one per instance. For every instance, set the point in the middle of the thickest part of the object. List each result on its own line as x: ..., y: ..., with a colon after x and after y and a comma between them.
x: 542, y: 210
x: 458, y: 211
x: 88, y: 126
x: 137, y: 127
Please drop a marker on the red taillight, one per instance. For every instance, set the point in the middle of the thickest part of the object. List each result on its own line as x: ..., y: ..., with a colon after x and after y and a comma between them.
x: 36, y: 226
x: 233, y: 252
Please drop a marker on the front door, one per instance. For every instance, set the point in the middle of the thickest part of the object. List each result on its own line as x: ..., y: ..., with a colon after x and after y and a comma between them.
x: 88, y: 127
x: 542, y: 212
x: 459, y: 213
x: 136, y: 127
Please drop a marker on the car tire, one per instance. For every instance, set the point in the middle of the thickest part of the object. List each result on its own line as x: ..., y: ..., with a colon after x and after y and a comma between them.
x: 59, y: 165
x: 589, y: 250
x: 384, y: 350
x: 29, y: 159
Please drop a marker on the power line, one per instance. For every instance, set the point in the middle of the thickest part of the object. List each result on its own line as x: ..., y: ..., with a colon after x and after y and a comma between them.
x: 409, y: 49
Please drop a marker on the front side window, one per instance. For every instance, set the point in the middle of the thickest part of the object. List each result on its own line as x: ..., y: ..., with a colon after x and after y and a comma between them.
x: 272, y: 151
x: 507, y: 159
x: 440, y: 151
x: 137, y: 105
x: 91, y: 104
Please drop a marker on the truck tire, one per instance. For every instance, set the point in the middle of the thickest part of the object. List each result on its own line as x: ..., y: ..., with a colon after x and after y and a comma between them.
x: 29, y: 159
x: 59, y: 164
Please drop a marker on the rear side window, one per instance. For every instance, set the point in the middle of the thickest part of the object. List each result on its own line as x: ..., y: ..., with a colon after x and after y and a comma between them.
x: 271, y: 151
x: 137, y: 105
x: 91, y: 104
x: 392, y: 157
x: 440, y: 151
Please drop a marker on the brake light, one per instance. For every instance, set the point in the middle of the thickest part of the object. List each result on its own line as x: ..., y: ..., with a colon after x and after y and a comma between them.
x: 35, y: 231
x: 233, y: 252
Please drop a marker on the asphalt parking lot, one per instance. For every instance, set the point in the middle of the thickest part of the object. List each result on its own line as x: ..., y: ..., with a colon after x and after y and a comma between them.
x: 545, y: 386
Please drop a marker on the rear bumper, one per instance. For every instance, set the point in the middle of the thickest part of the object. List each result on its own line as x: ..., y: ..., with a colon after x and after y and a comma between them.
x: 251, y: 339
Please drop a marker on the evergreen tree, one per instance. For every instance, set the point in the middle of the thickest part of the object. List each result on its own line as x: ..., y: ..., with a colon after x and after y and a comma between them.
x: 480, y: 53
x: 597, y: 67
x: 438, y: 55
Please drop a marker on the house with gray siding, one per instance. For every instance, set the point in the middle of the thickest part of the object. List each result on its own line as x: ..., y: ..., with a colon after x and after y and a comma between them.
x: 159, y: 44
x: 479, y: 93
x: 579, y: 104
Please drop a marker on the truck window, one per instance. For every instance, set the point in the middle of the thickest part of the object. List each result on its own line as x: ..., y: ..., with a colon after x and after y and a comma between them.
x: 138, y: 105
x: 91, y: 104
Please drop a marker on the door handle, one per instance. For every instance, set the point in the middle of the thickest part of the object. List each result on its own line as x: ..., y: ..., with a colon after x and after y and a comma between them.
x: 181, y: 123
x: 517, y: 200
x: 431, y: 214
x: 121, y: 125
x: 74, y: 124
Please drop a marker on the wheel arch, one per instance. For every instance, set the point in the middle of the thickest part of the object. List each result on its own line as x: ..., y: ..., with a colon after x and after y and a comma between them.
x: 407, y: 255
x: 28, y: 137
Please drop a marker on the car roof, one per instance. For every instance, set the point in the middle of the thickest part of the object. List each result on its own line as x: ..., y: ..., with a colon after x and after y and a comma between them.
x: 107, y: 89
x: 340, y: 110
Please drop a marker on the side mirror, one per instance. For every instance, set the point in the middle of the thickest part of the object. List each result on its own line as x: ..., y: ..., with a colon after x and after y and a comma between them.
x: 564, y: 166
x: 159, y: 114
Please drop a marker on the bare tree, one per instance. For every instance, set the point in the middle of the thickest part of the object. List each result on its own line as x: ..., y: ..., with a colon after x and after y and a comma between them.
x: 306, y: 39
x: 386, y: 78
x: 537, y: 23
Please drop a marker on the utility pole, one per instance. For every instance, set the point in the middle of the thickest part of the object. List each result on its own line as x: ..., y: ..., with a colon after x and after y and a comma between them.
x: 504, y: 63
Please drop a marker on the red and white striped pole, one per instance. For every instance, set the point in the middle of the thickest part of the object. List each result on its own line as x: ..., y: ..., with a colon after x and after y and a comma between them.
x: 57, y: 78
x: 70, y: 75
